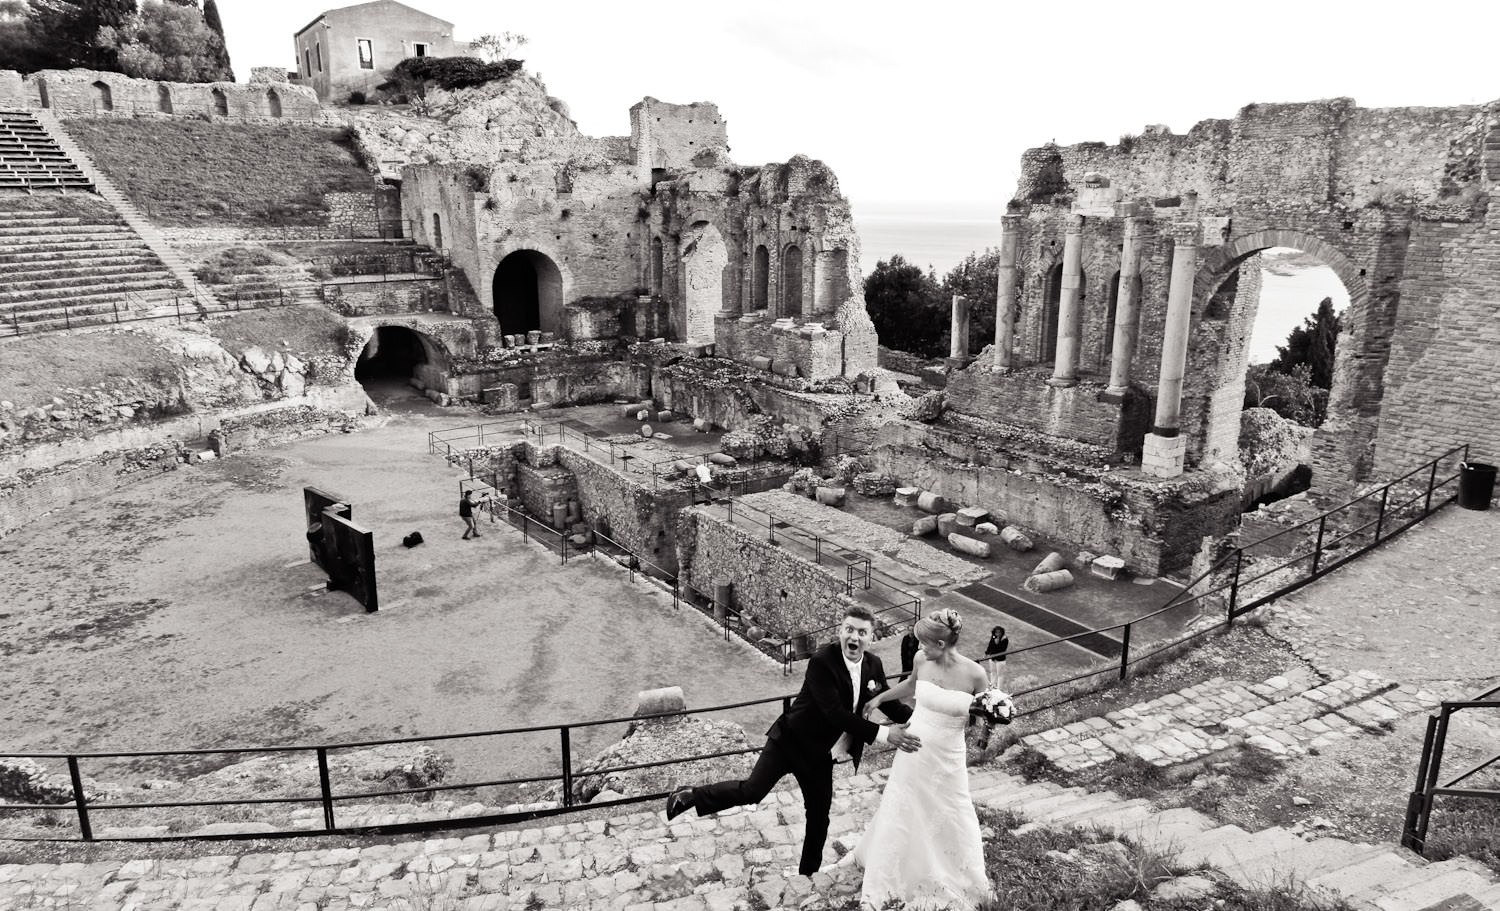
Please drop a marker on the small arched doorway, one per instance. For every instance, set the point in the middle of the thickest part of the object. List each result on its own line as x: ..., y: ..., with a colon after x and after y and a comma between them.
x: 104, y: 99
x: 761, y: 278
x: 273, y: 103
x: 527, y: 292
x: 1051, y: 305
x: 791, y: 281
x: 221, y: 102
x: 437, y: 231
x: 164, y: 98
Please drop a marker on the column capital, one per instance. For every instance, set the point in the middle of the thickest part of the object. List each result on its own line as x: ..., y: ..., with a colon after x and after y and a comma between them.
x: 1010, y: 222
x: 1187, y: 233
x: 1075, y: 224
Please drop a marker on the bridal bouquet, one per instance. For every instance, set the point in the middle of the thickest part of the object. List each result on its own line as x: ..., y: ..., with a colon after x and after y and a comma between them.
x: 994, y: 705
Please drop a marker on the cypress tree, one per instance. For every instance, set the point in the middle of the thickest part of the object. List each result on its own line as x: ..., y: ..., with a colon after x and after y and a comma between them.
x: 221, y: 50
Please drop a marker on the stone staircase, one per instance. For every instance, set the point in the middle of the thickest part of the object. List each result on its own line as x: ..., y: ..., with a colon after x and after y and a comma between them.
x: 60, y: 271
x: 30, y: 159
x: 739, y: 859
x: 1286, y: 715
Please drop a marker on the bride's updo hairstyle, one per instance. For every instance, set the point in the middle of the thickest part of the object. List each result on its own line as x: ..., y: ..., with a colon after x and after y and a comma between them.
x: 942, y: 625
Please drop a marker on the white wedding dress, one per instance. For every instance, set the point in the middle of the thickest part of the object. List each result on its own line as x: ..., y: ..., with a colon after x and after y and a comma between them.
x: 922, y: 847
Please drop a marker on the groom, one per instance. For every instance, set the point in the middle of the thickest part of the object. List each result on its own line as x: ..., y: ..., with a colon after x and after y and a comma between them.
x: 822, y: 727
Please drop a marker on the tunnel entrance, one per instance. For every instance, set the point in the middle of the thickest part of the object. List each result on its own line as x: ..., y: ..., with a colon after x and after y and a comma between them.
x: 393, y: 353
x: 528, y: 293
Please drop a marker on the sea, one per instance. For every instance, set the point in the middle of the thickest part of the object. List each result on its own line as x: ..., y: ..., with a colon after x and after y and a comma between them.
x: 939, y: 237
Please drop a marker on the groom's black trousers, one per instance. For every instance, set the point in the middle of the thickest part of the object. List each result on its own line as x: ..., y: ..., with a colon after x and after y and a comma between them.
x: 814, y: 774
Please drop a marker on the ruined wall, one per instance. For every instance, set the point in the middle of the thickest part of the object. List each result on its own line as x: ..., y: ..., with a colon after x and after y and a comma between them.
x: 368, y: 298
x: 1026, y: 400
x: 1391, y: 199
x: 645, y: 521
x: 774, y: 589
x: 670, y: 137
x: 94, y: 93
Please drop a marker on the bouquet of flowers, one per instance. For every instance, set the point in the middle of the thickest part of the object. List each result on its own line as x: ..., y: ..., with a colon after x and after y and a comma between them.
x: 993, y: 705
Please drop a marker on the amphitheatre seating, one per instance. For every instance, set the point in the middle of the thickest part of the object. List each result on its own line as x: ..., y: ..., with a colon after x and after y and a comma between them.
x: 30, y: 159
x: 76, y: 265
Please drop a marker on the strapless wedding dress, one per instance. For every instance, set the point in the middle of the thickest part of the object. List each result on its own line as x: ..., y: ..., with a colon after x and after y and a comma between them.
x: 922, y: 847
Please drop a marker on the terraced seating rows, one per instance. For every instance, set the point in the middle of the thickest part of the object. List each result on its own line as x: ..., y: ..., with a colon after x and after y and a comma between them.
x: 30, y: 159
x: 62, y: 270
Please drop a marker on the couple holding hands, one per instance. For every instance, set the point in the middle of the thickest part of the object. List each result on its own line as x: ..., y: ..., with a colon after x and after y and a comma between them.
x: 922, y: 846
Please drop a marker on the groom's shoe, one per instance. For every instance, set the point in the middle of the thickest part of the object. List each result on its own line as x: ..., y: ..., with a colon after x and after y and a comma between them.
x: 678, y: 803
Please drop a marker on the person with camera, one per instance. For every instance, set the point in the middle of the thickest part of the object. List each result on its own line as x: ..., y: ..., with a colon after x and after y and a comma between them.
x: 466, y: 506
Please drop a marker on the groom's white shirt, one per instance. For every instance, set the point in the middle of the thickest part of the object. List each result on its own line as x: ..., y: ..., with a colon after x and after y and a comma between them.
x: 840, y: 751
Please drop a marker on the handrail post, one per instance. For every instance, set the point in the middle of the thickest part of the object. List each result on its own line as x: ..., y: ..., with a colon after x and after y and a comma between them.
x: 817, y: 549
x: 1385, y: 494
x: 1419, y: 802
x: 1318, y: 547
x: 1431, y: 483
x: 79, y: 801
x: 325, y: 789
x: 1234, y: 586
x: 1125, y: 652
x: 563, y: 537
x: 567, y: 767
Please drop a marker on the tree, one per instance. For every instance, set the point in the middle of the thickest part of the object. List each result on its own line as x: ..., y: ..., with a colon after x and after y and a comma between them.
x: 1291, y: 395
x: 167, y: 41
x: 1312, y: 344
x: 907, y: 307
x: 73, y: 31
x: 975, y: 279
x: 216, y: 25
x: 495, y: 48
x: 19, y: 47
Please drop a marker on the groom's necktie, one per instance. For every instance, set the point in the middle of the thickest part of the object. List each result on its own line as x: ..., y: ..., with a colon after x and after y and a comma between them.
x: 840, y: 751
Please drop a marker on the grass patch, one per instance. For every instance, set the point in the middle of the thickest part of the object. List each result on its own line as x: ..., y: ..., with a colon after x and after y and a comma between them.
x: 1467, y: 827
x: 33, y: 369
x: 192, y: 172
x: 222, y: 267
x: 85, y: 206
x: 307, y: 331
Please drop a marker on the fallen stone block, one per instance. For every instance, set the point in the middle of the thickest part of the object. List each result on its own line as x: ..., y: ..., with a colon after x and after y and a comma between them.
x: 659, y: 701
x: 658, y: 435
x: 830, y: 496
x: 967, y: 545
x: 664, y: 417
x: 723, y: 458
x: 1050, y: 563
x: 642, y: 414
x: 702, y: 426
x: 907, y: 496
x: 971, y: 516
x: 1107, y: 567
x: 1015, y: 539
x: 929, y: 502
x: 987, y: 528
x: 760, y: 362
x: 1049, y: 582
x: 924, y: 526
x: 784, y: 368
x: 646, y: 431
x: 946, y: 523
x: 631, y: 410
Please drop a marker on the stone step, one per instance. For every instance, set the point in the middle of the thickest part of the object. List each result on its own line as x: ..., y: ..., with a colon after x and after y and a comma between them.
x: 63, y: 279
x: 1324, y: 855
x: 1203, y: 846
x: 11, y: 233
x: 1359, y: 875
x: 1437, y: 887
x: 10, y: 272
x: 64, y: 295
x: 1260, y: 860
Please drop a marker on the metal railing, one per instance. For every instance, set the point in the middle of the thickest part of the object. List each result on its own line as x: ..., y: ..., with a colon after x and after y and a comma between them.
x: 1429, y: 771
x: 1390, y: 518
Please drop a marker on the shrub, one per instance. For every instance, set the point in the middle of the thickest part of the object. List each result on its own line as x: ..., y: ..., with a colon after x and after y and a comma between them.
x: 412, y: 76
x: 358, y: 97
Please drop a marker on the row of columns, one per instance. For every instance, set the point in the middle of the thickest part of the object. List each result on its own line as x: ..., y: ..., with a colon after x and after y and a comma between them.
x: 1164, y: 447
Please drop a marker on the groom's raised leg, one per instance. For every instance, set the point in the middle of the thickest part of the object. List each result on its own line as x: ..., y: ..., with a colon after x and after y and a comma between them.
x: 815, y: 778
x: 770, y: 767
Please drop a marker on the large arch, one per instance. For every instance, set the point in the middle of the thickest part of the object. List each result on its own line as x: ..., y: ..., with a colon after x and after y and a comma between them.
x: 1225, y: 315
x: 527, y: 293
x: 705, y: 257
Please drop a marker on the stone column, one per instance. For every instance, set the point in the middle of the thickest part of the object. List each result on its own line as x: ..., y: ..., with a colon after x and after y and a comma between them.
x: 1069, y: 307
x: 1162, y: 455
x: 1005, y: 293
x: 958, y: 340
x: 1127, y: 318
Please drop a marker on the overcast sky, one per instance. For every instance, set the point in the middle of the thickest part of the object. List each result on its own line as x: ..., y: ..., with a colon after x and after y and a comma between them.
x: 933, y: 101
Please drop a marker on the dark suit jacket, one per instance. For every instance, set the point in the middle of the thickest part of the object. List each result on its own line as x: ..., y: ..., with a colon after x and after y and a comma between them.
x: 820, y: 712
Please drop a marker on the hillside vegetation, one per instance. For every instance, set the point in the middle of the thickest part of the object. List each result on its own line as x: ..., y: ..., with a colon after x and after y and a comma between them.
x: 193, y: 172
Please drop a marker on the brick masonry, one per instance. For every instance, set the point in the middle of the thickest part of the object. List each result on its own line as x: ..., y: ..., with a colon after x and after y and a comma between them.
x: 100, y: 94
x: 1394, y: 200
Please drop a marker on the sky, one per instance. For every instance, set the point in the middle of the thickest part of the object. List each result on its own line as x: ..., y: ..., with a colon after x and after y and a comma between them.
x: 930, y: 104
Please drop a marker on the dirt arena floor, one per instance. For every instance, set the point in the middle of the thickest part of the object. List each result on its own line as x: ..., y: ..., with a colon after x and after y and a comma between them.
x: 180, y: 611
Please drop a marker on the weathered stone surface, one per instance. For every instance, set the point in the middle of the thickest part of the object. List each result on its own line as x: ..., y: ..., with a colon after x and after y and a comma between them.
x: 1053, y: 561
x: 946, y: 522
x: 1049, y: 581
x: 907, y: 496
x: 929, y: 502
x: 1015, y: 539
x: 971, y: 516
x: 830, y: 496
x: 660, y: 701
x: 924, y: 526
x: 967, y: 545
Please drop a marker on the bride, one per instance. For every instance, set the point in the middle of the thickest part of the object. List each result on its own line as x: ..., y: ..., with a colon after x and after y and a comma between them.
x: 922, y: 847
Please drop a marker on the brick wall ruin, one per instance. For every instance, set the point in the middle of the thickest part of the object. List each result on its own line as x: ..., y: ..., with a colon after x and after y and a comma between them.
x: 81, y: 92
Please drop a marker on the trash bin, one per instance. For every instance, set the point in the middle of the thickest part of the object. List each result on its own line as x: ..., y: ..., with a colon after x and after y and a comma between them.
x: 1476, y: 485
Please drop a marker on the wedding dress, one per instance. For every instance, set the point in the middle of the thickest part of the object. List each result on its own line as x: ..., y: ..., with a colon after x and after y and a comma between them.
x: 922, y: 847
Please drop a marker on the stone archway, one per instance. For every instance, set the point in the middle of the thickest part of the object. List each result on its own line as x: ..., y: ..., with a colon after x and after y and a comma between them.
x: 527, y: 293
x: 397, y: 353
x: 705, y: 256
x: 1227, y: 306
